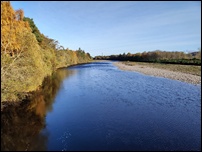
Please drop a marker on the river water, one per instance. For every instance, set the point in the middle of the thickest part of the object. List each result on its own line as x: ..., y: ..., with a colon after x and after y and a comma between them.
x: 96, y: 106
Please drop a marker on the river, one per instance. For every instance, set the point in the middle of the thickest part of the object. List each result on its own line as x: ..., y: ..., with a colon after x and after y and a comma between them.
x: 96, y: 106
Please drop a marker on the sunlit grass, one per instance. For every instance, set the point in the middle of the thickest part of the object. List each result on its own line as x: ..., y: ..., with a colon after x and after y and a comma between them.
x: 190, y: 69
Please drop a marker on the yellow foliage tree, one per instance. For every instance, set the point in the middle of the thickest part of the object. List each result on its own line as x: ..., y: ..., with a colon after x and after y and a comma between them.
x: 12, y: 25
x: 22, y: 65
x: 25, y: 62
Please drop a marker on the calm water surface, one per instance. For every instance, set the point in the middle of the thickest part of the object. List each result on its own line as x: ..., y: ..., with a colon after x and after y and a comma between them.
x: 96, y: 106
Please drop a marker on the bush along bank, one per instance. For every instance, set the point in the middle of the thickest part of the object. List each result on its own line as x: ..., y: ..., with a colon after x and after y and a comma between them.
x: 158, y: 56
x: 28, y: 56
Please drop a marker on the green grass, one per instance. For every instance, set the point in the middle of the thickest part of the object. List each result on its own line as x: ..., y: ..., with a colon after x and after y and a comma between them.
x: 190, y: 69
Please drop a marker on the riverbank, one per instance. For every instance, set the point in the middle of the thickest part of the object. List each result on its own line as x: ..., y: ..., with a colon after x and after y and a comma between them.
x: 46, y: 81
x: 159, y: 71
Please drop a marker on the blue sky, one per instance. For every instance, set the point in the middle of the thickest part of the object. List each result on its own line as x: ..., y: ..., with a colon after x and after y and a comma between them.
x: 117, y: 27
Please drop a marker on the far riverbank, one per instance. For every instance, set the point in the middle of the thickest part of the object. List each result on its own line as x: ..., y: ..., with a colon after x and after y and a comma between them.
x: 148, y: 70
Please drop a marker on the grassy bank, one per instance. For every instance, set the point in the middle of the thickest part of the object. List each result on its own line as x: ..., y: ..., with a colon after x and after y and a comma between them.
x: 181, y: 73
x: 189, y: 69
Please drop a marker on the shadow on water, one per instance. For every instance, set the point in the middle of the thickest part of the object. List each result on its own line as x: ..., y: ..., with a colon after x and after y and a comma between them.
x: 22, y: 124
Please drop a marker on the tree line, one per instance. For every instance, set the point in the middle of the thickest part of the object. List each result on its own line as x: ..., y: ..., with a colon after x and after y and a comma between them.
x: 28, y: 56
x: 158, y: 56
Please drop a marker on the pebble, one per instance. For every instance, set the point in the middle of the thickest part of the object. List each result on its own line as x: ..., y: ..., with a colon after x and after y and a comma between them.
x: 184, y: 77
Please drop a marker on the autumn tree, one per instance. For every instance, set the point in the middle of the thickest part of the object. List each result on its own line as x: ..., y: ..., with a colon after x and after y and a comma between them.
x: 12, y: 26
x: 20, y: 54
x: 34, y: 28
x: 27, y: 56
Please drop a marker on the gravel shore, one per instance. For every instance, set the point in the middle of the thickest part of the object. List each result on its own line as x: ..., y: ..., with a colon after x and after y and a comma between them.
x: 189, y: 78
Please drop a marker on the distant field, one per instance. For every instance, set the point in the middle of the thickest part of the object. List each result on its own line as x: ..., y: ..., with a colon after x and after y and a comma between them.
x: 190, y: 69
